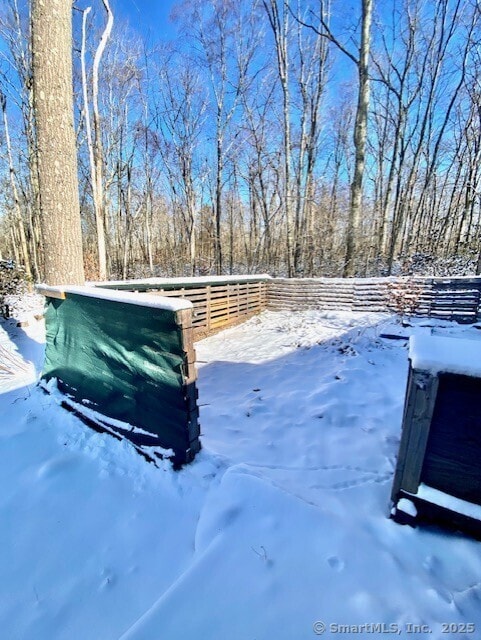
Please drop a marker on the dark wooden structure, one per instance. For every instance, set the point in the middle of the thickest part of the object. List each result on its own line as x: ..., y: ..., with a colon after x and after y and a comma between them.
x: 438, y: 473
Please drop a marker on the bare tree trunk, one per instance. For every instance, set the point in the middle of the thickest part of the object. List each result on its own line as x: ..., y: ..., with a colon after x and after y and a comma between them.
x: 17, y: 46
x: 13, y: 184
x: 280, y: 28
x: 34, y: 204
x: 218, y: 198
x: 361, y: 60
x: 14, y: 244
x: 360, y: 135
x: 95, y: 143
x: 56, y: 151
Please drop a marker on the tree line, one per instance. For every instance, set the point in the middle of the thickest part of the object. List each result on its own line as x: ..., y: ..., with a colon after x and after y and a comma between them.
x: 265, y: 135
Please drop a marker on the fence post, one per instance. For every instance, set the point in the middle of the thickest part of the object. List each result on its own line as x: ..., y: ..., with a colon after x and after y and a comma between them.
x: 207, y: 317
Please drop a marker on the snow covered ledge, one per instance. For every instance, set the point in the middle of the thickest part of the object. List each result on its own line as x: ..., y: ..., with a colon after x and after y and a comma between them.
x: 127, y: 297
x: 438, y: 354
x: 129, y: 358
x: 446, y: 501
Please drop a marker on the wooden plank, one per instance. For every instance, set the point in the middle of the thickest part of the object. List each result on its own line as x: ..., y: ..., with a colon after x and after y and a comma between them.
x: 306, y: 296
x: 308, y: 291
x: 453, y: 451
x: 222, y: 323
x: 183, y: 318
x: 197, y: 297
x: 312, y: 290
x: 226, y: 303
x: 419, y: 407
x: 218, y: 293
x: 444, y: 298
x: 49, y: 293
x: 200, y: 322
x: 235, y: 310
x: 315, y: 301
x: 235, y: 301
x: 208, y: 308
x: 406, y: 428
x: 165, y: 294
x: 199, y: 305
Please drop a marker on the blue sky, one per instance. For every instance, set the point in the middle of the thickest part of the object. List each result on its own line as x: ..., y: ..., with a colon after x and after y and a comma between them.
x: 149, y: 17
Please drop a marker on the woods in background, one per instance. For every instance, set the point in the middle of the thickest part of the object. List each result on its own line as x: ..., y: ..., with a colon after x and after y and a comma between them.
x: 266, y: 136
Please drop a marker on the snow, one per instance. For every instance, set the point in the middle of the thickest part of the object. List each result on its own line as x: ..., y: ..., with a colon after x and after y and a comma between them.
x: 22, y: 307
x: 448, y: 502
x: 128, y: 297
x: 407, y: 506
x: 438, y: 354
x: 90, y: 414
x: 162, y: 282
x: 279, y: 526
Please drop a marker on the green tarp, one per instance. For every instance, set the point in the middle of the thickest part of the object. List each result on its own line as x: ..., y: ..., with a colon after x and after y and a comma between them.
x: 125, y: 362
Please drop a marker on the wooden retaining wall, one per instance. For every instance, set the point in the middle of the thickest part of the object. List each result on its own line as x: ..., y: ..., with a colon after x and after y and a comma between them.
x: 447, y: 298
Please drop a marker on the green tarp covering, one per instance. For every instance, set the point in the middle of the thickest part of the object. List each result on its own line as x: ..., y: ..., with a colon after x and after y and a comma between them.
x: 125, y: 362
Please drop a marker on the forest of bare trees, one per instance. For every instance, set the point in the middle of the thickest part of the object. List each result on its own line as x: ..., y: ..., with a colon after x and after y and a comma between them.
x: 295, y: 138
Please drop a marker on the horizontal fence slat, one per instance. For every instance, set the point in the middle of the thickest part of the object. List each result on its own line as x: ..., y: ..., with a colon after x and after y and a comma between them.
x: 456, y: 299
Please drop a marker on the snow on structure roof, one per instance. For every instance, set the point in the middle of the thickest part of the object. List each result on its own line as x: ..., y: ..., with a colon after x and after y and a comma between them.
x: 128, y: 297
x: 438, y: 354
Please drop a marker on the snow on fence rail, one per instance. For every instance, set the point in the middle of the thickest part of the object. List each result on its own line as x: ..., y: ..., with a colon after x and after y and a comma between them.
x: 125, y: 363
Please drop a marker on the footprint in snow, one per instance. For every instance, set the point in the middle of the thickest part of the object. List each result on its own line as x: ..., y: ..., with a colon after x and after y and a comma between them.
x: 57, y: 466
x: 335, y: 563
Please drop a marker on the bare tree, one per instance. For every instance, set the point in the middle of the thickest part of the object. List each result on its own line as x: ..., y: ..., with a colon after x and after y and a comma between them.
x: 13, y: 183
x: 233, y: 156
x: 361, y: 59
x: 94, y: 141
x: 18, y: 92
x: 57, y: 155
x: 279, y: 20
x: 180, y: 121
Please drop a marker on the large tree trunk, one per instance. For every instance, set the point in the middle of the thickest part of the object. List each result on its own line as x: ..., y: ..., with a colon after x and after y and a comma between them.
x: 354, y: 231
x: 57, y: 154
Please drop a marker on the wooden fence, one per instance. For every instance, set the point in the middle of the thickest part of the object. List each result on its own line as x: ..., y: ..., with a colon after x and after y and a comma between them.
x: 216, y: 306
x: 343, y: 294
x: 218, y: 303
x: 224, y: 301
x: 447, y: 298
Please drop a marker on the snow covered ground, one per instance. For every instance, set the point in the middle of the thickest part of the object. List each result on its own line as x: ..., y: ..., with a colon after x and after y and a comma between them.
x: 278, y: 530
